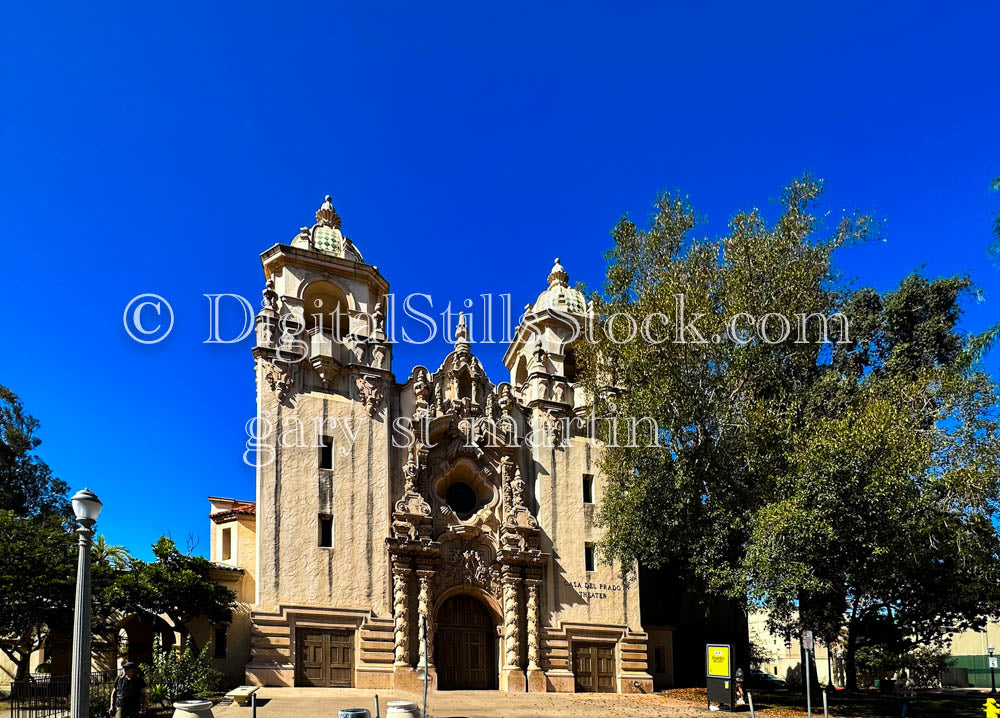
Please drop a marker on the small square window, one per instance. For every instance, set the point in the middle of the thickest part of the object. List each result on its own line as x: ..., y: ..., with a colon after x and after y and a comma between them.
x: 588, y: 557
x: 325, y: 531
x: 588, y: 489
x: 227, y: 544
x: 220, y: 642
x: 326, y: 452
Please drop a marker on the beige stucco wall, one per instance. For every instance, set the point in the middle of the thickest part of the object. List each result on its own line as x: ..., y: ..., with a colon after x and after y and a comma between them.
x: 574, y: 595
x: 293, y: 491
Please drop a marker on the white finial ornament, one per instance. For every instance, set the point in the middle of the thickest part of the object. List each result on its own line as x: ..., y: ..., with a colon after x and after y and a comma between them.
x: 462, y: 330
x: 558, y: 275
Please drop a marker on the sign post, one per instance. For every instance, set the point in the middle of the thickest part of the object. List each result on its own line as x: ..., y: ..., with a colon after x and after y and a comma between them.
x: 807, y: 644
x: 719, y: 674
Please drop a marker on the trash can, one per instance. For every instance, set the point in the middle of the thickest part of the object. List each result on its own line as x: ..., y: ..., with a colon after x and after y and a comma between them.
x: 402, y: 709
x: 354, y: 713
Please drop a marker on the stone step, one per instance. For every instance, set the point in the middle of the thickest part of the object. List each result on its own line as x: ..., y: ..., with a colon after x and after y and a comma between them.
x: 271, y: 654
x: 269, y: 641
x: 376, y: 656
x: 377, y: 645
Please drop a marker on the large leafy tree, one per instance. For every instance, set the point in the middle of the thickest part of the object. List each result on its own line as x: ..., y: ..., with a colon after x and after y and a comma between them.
x: 851, y: 482
x: 37, y: 580
x: 176, y: 584
x: 37, y: 554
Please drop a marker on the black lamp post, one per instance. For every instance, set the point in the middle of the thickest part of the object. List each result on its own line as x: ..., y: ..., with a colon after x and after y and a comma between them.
x: 993, y: 671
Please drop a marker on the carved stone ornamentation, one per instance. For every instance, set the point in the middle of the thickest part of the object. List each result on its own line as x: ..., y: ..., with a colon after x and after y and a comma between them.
x: 326, y: 215
x: 426, y: 647
x: 553, y: 426
x: 532, y: 611
x: 400, y: 614
x: 279, y: 377
x: 409, y: 476
x: 511, y: 629
x: 506, y: 474
x: 370, y: 393
x: 379, y: 354
x: 469, y: 565
x: 269, y: 297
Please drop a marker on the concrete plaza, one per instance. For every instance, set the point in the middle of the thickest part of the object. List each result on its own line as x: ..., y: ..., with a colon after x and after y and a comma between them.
x: 324, y: 702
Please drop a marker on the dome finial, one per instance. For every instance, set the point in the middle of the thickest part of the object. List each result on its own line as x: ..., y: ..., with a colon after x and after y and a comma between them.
x: 462, y: 330
x: 327, y: 215
x: 558, y: 275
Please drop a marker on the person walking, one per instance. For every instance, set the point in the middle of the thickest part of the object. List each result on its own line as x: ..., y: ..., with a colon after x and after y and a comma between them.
x: 128, y: 697
x: 905, y: 688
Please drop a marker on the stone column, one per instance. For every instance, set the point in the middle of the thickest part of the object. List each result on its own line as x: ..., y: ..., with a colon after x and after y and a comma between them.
x: 425, y: 629
x: 512, y: 678
x: 533, y: 653
x: 537, y: 682
x: 401, y: 613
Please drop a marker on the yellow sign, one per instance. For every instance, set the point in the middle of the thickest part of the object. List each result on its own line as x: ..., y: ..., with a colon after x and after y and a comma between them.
x: 718, y: 661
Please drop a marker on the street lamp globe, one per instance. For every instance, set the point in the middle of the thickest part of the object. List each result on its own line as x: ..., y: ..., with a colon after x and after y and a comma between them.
x: 87, y: 507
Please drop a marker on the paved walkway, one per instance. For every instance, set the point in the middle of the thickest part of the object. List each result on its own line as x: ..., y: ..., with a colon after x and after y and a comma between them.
x: 324, y: 702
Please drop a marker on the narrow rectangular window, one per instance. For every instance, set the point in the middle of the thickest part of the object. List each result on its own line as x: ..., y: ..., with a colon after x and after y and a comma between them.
x: 588, y: 557
x: 588, y: 489
x: 227, y: 544
x: 325, y: 531
x: 220, y: 642
x: 326, y: 452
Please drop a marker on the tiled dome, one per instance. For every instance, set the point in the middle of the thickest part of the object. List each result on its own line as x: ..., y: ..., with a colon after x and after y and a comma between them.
x: 326, y: 236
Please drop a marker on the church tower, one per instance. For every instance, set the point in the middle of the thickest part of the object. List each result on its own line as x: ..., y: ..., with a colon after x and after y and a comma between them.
x: 323, y: 498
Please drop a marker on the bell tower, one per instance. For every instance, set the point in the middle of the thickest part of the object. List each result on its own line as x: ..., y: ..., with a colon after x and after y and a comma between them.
x: 324, y: 385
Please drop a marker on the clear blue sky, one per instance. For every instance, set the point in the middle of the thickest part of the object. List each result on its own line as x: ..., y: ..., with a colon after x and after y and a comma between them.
x: 160, y: 147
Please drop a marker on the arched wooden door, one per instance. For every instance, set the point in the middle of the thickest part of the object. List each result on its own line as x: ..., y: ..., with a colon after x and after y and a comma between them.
x: 464, y: 645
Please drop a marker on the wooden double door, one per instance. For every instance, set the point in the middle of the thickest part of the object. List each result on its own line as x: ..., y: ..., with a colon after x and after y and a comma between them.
x: 324, y: 657
x: 465, y: 646
x: 594, y: 667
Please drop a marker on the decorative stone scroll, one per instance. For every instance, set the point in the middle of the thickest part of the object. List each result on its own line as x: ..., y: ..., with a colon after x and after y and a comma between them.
x: 279, y: 377
x: 370, y: 392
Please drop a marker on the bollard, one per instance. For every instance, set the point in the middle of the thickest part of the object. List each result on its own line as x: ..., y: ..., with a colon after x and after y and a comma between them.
x: 750, y: 699
x: 825, y: 714
x: 253, y: 704
x: 377, y: 715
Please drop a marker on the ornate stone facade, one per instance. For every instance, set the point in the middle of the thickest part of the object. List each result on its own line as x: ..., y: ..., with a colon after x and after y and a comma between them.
x: 469, y: 532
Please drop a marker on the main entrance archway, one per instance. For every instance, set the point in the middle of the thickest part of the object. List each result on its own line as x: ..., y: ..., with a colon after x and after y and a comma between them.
x: 465, y: 645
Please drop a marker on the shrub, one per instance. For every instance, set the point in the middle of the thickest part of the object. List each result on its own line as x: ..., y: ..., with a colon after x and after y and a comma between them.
x: 176, y: 676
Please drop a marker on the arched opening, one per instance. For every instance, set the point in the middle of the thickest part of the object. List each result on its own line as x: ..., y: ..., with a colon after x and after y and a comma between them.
x: 325, y: 308
x: 465, y: 645
x: 569, y: 365
x: 140, y: 630
x: 520, y: 372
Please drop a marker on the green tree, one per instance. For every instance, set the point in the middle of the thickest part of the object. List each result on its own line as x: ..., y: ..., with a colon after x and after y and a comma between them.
x: 175, y: 584
x: 37, y: 570
x: 844, y: 484
x: 27, y: 486
x: 37, y: 551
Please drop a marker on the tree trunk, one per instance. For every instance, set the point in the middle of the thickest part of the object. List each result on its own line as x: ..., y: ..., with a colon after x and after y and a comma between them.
x: 850, y: 667
x: 23, y: 663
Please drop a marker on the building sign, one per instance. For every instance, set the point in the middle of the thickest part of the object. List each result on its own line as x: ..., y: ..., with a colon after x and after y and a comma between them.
x: 718, y: 661
x: 589, y: 589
